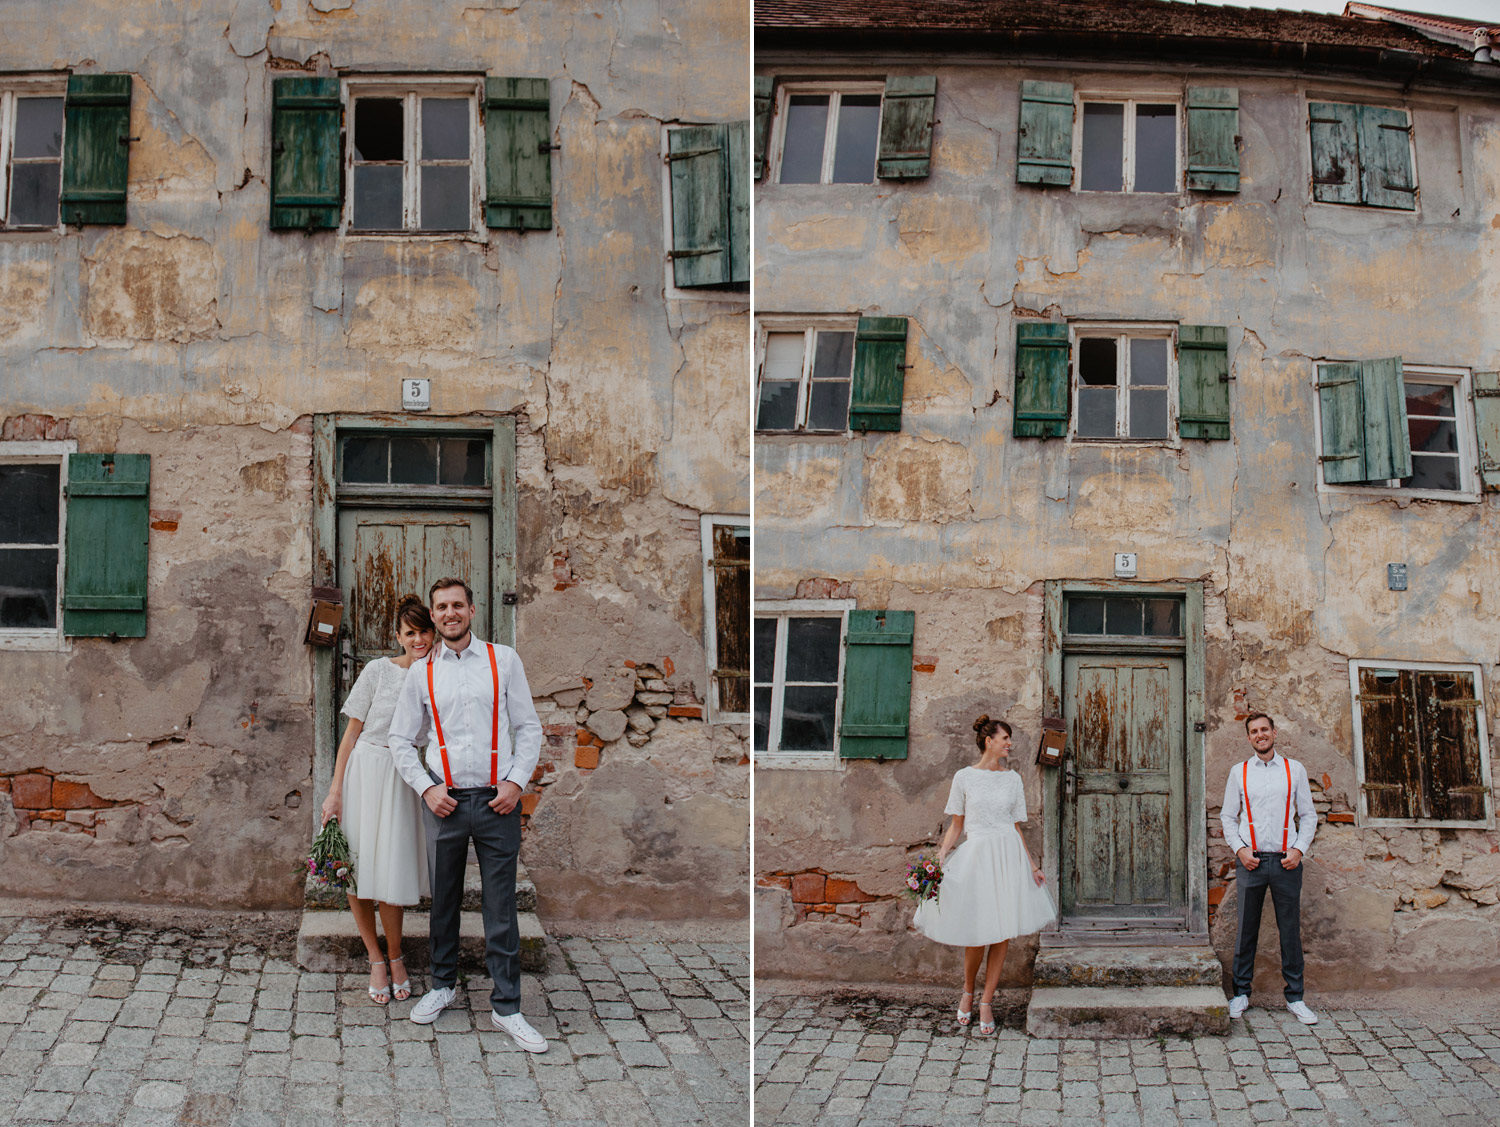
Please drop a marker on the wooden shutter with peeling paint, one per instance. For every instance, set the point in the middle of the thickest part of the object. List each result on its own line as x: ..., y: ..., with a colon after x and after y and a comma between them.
x: 1203, y: 381
x: 1386, y: 178
x: 1419, y: 732
x: 1044, y: 139
x: 96, y: 148
x: 1213, y: 126
x: 517, y: 154
x: 710, y: 204
x: 108, y: 513
x: 1487, y: 419
x: 1042, y: 380
x: 1362, y: 406
x: 877, y: 684
x: 307, y: 175
x: 764, y: 89
x: 879, y: 374
x: 1334, y: 130
x: 906, y: 114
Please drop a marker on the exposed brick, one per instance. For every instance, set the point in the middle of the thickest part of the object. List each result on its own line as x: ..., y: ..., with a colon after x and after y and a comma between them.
x: 686, y: 711
x: 822, y: 588
x: 776, y: 880
x: 807, y: 888
x: 845, y: 892
x: 4, y: 784
x: 587, y: 738
x: 924, y: 667
x: 31, y: 792
x: 75, y: 796
x: 629, y: 664
x: 35, y: 428
x: 48, y: 816
x: 586, y: 758
x: 667, y: 667
x: 528, y: 803
x: 1346, y: 817
x: 165, y: 520
x: 1215, y: 895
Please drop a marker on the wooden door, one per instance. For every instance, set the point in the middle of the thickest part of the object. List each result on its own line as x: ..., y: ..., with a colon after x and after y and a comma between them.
x: 387, y: 553
x: 1124, y: 836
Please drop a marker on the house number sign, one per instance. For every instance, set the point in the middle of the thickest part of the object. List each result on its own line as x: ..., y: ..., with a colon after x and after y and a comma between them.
x: 416, y: 395
x: 1395, y: 577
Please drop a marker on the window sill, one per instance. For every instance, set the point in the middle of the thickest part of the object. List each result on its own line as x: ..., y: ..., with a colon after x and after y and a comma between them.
x: 36, y: 641
x: 418, y: 236
x: 797, y: 761
x: 807, y: 433
x: 1127, y: 443
x: 1408, y: 494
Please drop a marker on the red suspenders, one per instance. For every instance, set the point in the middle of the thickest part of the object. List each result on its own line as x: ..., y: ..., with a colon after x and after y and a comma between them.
x: 494, y: 722
x: 1286, y: 822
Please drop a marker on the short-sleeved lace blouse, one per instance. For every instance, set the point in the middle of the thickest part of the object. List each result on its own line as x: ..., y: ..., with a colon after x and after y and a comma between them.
x: 373, y: 698
x: 988, y: 800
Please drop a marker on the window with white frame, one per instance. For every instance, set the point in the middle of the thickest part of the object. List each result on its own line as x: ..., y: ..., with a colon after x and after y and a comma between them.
x: 798, y: 671
x: 1123, y: 383
x: 31, y: 129
x: 411, y: 157
x: 805, y: 376
x: 829, y: 134
x: 32, y: 478
x: 726, y: 603
x: 1421, y: 744
x: 1128, y: 145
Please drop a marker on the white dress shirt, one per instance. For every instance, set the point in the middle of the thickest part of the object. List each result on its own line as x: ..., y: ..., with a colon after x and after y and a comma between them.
x: 465, y: 693
x: 1268, y: 803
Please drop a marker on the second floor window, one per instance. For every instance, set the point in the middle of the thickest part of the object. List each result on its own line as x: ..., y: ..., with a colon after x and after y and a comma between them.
x: 804, y: 380
x: 1362, y: 155
x: 829, y: 136
x: 31, y: 129
x: 1128, y: 146
x: 411, y: 161
x: 1122, y: 385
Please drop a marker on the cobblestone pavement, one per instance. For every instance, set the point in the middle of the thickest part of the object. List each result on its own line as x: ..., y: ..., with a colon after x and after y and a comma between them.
x: 119, y: 1024
x: 841, y: 1062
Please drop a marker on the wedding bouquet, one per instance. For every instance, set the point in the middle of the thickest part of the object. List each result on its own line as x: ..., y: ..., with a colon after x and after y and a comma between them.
x: 328, y: 861
x: 923, y: 876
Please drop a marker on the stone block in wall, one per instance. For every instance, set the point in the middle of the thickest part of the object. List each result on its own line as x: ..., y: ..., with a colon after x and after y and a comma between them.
x: 608, y: 726
x: 639, y: 719
x: 611, y: 692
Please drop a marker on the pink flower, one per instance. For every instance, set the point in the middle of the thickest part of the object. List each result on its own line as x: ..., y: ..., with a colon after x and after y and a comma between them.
x: 913, y: 884
x: 931, y: 868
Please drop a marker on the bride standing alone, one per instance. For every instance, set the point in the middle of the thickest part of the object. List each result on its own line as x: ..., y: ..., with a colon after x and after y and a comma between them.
x: 991, y: 891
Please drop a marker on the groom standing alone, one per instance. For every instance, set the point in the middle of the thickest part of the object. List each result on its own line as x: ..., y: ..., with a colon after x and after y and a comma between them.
x: 462, y: 702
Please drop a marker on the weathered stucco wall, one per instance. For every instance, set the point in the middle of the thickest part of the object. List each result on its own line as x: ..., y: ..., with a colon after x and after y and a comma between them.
x: 959, y: 521
x: 197, y: 335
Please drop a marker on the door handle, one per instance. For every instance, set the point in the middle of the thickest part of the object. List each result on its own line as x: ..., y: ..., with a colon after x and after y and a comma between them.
x: 1124, y: 781
x: 1070, y: 778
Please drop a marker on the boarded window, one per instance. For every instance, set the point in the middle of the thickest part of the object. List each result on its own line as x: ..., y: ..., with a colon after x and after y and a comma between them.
x: 1421, y: 743
x: 1362, y: 155
x: 728, y: 602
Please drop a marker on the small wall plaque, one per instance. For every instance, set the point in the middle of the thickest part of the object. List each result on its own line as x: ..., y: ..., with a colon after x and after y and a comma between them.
x: 1124, y: 565
x: 1054, y: 738
x: 1395, y: 577
x: 416, y: 395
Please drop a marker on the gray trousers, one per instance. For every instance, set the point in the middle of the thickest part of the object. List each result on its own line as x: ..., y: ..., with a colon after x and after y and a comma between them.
x: 1286, y: 895
x: 497, y: 841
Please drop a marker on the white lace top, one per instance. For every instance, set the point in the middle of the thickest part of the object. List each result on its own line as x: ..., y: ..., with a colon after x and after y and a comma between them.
x: 373, y: 698
x: 988, y: 800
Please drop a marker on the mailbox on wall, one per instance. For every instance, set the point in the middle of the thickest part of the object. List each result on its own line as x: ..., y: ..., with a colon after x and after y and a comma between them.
x: 1054, y: 736
x: 324, y: 618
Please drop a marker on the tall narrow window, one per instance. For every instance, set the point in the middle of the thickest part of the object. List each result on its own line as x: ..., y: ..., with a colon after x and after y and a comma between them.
x: 1128, y: 146
x: 411, y: 161
x: 30, y: 544
x: 726, y: 590
x: 798, y: 666
x: 31, y: 129
x: 829, y: 136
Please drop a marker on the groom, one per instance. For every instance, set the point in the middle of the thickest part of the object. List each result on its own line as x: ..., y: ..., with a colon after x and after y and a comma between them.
x: 462, y: 702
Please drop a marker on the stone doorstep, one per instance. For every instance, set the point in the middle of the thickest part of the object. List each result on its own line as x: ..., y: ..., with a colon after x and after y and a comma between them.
x: 1126, y: 1011
x: 328, y: 942
x: 1127, y: 966
x: 317, y: 898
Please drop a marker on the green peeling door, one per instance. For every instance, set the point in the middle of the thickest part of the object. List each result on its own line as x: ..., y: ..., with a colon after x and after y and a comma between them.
x: 387, y: 553
x: 1124, y: 836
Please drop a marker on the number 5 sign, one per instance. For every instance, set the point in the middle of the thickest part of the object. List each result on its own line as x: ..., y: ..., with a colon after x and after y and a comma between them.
x: 416, y: 395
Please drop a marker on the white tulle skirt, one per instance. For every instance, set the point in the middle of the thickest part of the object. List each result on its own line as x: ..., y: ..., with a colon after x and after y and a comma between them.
x: 988, y: 894
x: 383, y: 821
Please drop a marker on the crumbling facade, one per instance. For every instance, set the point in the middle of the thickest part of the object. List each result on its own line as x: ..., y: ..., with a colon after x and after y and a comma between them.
x: 338, y: 295
x: 1129, y: 366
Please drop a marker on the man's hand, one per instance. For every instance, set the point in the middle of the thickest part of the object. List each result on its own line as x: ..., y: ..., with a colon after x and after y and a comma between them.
x: 1247, y: 858
x: 438, y: 801
x: 505, y: 801
x: 1292, y: 859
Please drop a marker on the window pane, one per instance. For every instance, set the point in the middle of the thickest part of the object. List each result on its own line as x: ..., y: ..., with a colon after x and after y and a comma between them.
x: 828, y: 408
x: 833, y: 358
x: 778, y: 406
x: 812, y: 649
x: 1433, y: 436
x: 377, y: 197
x: 1096, y: 412
x: 1096, y: 361
x: 379, y: 131
x: 29, y: 500
x: 1432, y: 471
x: 365, y: 459
x: 1156, y: 148
x: 1164, y: 618
x: 762, y: 718
x: 1123, y: 616
x: 28, y: 588
x: 461, y: 461
x: 414, y: 461
x: 807, y: 717
x: 1148, y: 413
x: 33, y: 194
x: 1148, y: 361
x: 1103, y: 148
x: 445, y: 197
x: 784, y: 356
x: 855, y: 139
x: 445, y: 129
x: 1429, y: 399
x: 1085, y: 616
x: 765, y: 650
x: 802, y: 151
x: 39, y: 123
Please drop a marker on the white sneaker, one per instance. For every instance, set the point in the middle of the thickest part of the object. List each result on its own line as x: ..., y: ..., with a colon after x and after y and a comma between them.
x: 520, y: 1031
x: 1302, y: 1013
x: 434, y: 1002
x: 1238, y: 1005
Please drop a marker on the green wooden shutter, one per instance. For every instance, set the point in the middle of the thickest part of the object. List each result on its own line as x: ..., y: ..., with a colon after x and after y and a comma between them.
x: 710, y: 204
x: 1044, y: 141
x: 1335, y: 152
x: 877, y: 684
x: 1341, y: 410
x: 879, y: 374
x: 1363, y: 410
x: 1487, y: 419
x: 517, y: 154
x: 307, y: 174
x: 96, y: 148
x: 906, y: 128
x: 1385, y: 158
x: 1213, y: 126
x: 104, y: 586
x: 764, y: 85
x: 1041, y: 388
x: 1203, y: 381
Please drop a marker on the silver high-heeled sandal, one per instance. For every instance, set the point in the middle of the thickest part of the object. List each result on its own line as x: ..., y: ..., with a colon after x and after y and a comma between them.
x: 986, y: 1028
x: 400, y: 991
x: 380, y: 995
x: 963, y: 1015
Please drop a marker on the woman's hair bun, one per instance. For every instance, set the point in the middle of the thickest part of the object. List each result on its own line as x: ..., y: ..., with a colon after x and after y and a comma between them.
x: 982, y: 721
x: 409, y: 600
